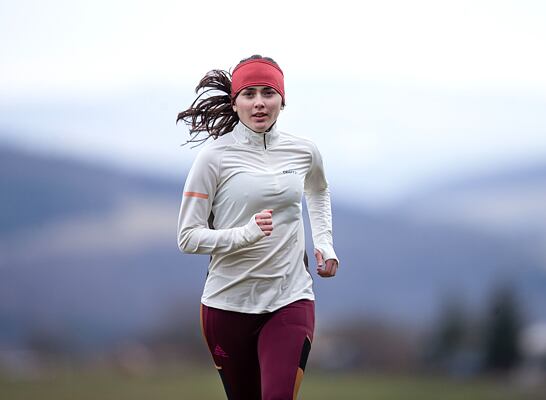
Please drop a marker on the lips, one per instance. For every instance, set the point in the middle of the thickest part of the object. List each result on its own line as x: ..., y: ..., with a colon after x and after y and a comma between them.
x: 259, y: 115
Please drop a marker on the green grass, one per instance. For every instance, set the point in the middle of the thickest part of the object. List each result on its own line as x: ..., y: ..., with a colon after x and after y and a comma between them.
x: 188, y: 384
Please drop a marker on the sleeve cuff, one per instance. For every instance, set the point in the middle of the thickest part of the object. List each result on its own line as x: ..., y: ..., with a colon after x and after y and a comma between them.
x: 327, y: 252
x: 252, y: 231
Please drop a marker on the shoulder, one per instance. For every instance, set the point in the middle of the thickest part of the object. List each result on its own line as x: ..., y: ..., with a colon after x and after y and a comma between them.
x: 300, y: 142
x: 297, y: 140
x: 213, y: 149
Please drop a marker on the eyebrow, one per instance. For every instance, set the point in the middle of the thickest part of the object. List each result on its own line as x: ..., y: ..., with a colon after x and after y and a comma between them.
x: 253, y: 89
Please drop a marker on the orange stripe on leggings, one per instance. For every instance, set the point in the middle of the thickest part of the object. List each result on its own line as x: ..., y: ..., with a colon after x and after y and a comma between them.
x: 303, y: 361
x: 299, y: 378
x: 196, y: 194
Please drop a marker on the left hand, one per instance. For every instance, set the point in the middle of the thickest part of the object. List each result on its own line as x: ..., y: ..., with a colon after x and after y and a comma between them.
x: 326, y: 269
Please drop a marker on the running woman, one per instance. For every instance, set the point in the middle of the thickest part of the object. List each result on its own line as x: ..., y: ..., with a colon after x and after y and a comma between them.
x: 242, y: 204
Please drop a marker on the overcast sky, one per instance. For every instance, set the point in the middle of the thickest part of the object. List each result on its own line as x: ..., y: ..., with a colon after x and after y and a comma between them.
x: 396, y: 93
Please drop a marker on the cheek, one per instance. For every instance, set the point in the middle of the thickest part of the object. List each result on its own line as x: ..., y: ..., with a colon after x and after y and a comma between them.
x: 241, y: 106
x: 276, y: 108
x: 275, y: 104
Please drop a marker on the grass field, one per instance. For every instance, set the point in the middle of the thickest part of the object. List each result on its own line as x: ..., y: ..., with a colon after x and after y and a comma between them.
x: 189, y: 384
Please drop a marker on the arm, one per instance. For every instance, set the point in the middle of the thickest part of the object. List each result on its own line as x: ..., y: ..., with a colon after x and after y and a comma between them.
x: 317, y: 196
x: 194, y: 235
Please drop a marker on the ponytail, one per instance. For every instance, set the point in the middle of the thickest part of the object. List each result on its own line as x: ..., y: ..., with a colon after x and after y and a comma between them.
x: 211, y: 113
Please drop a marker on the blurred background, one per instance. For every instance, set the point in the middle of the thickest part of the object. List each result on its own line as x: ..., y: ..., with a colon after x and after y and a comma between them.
x: 431, y: 119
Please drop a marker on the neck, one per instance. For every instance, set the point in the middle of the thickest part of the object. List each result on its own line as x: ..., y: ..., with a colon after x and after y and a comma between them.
x: 267, y: 130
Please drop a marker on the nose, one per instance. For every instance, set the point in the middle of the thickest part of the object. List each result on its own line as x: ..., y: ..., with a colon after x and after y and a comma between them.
x: 259, y: 101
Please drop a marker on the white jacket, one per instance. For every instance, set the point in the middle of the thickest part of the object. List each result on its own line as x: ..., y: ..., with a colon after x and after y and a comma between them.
x: 232, y: 179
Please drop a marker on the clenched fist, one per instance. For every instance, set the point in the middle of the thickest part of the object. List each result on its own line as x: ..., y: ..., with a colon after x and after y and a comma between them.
x: 264, y: 219
x: 326, y: 269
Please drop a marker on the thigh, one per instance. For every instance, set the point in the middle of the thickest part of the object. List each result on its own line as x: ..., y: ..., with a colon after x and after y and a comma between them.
x: 283, y: 347
x: 232, y: 341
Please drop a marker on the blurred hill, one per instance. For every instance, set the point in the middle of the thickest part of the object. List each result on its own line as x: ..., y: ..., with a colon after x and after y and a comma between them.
x: 89, y: 253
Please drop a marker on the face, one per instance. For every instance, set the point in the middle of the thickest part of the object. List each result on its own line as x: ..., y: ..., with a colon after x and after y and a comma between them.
x: 258, y: 107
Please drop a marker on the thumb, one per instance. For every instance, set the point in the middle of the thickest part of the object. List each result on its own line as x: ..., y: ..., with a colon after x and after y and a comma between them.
x: 319, y: 258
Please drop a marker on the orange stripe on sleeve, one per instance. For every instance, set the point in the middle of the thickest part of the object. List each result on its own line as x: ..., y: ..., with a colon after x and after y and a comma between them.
x: 195, y: 194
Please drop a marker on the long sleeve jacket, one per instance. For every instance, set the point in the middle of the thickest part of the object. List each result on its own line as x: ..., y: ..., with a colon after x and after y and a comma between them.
x: 234, y: 178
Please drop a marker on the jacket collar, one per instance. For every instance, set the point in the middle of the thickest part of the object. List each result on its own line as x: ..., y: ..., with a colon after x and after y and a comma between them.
x: 247, y: 136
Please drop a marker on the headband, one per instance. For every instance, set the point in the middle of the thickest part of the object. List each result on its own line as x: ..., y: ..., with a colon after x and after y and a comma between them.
x: 257, y: 72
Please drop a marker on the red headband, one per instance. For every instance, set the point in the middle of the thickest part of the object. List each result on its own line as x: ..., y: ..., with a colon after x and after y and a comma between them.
x: 257, y: 72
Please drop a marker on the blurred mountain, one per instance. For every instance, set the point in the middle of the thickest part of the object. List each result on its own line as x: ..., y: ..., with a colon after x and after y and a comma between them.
x: 508, y: 204
x: 89, y: 253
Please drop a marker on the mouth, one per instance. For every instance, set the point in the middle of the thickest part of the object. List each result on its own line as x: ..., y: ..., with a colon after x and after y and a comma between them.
x: 259, y: 115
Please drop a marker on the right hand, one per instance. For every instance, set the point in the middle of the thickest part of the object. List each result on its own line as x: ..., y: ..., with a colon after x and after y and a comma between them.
x: 264, y: 220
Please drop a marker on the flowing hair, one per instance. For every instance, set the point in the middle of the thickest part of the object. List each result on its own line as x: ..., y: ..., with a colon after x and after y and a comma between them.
x: 212, y: 111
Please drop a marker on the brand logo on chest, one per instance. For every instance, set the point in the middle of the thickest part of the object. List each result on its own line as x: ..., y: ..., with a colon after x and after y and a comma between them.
x: 289, y: 171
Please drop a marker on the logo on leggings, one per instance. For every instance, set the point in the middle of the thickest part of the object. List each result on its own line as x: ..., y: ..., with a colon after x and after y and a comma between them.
x: 218, y: 351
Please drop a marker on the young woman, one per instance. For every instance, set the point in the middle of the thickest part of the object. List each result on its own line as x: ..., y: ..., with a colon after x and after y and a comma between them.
x: 242, y: 204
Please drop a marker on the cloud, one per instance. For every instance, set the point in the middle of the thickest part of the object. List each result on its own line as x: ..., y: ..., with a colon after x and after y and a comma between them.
x: 84, y: 45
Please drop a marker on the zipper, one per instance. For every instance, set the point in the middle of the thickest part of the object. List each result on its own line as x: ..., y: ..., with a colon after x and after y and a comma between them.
x: 265, y: 143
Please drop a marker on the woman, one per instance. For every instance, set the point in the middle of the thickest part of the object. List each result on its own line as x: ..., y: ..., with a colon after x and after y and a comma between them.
x: 242, y: 205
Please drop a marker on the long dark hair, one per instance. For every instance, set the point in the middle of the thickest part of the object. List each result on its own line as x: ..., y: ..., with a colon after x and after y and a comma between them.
x: 209, y: 112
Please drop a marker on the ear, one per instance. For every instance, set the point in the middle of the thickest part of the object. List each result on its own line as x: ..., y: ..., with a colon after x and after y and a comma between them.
x: 234, y: 107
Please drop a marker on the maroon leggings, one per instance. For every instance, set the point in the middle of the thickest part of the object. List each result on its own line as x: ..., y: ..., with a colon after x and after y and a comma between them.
x: 260, y: 356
